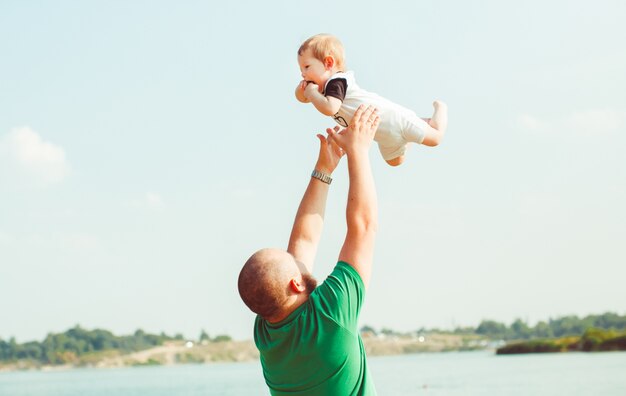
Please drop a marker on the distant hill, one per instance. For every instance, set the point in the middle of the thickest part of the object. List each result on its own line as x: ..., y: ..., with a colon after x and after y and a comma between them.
x: 81, y: 347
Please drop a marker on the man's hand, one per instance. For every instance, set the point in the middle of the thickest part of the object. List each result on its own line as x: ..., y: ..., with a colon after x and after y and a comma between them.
x: 358, y: 136
x: 330, y: 154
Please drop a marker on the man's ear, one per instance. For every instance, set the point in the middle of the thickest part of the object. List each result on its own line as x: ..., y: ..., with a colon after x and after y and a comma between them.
x: 329, y: 62
x: 296, y: 285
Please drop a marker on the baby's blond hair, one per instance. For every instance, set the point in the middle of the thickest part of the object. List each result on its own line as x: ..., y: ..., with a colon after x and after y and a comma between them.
x: 323, y: 45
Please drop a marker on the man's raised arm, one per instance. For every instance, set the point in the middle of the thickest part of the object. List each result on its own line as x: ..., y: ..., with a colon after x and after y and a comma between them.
x: 362, y: 207
x: 307, y: 226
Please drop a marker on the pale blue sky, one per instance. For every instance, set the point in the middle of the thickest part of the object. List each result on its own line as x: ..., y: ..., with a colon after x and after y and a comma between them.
x: 147, y: 148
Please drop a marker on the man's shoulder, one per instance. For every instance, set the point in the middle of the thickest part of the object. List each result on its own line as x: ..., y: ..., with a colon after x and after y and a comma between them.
x: 344, y: 273
x: 339, y: 291
x: 348, y: 269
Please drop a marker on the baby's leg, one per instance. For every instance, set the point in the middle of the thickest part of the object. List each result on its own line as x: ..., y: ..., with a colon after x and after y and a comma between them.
x: 439, y: 120
x: 437, y: 123
x: 392, y: 153
x: 396, y: 161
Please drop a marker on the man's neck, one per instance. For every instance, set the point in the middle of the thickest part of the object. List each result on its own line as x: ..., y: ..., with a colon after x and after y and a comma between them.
x: 294, y: 304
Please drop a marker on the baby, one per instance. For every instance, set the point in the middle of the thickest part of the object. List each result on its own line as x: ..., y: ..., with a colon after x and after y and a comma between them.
x: 335, y: 93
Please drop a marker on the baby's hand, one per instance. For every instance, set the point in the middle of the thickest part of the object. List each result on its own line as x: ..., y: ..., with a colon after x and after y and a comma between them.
x: 300, y: 92
x: 309, y: 89
x: 301, y: 86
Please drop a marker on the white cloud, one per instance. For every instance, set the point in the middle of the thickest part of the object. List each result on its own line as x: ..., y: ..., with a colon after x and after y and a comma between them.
x: 24, y: 151
x: 602, y: 121
x: 150, y: 201
x: 594, y: 122
x: 530, y: 123
x: 79, y: 242
x: 154, y: 200
x: 5, y: 238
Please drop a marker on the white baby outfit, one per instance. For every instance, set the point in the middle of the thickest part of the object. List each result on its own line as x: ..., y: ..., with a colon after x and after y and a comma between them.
x: 398, y: 125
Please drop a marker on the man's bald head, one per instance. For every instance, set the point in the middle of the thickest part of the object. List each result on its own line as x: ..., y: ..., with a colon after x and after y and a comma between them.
x: 265, y: 281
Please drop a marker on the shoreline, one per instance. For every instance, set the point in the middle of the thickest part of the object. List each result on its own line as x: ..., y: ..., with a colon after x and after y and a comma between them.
x: 181, y: 352
x: 186, y: 352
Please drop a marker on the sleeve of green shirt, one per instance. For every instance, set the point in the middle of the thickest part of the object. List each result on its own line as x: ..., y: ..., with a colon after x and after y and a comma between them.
x: 341, y: 296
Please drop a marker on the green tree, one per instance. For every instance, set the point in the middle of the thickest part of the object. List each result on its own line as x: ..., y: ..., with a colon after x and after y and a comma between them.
x: 30, y: 350
x: 568, y: 326
x: 204, y: 336
x: 492, y: 329
x: 609, y: 321
x: 543, y: 330
x: 520, y: 330
x: 387, y: 332
x: 222, y: 338
x: 69, y: 346
x: 4, y: 350
x: 368, y: 329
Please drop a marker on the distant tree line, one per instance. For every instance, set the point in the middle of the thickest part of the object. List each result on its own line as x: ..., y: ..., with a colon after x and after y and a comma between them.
x: 204, y: 337
x: 77, y: 342
x: 520, y: 330
x: 553, y: 328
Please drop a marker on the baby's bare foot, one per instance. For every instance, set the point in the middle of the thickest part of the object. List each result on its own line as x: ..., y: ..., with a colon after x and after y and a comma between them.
x: 439, y: 120
x: 437, y: 104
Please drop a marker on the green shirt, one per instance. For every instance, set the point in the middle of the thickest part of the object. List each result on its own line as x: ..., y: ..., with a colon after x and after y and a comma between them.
x: 317, y: 349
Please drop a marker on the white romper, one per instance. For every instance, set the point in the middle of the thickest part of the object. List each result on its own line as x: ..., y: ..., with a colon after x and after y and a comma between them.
x: 398, y: 125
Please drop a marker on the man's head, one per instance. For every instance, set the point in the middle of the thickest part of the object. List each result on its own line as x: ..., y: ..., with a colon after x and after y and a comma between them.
x: 320, y: 57
x: 271, y: 281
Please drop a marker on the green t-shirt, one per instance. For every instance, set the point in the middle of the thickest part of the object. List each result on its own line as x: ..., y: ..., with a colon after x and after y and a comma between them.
x: 317, y: 349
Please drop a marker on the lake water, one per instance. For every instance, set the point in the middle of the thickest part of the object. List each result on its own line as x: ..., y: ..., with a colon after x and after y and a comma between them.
x: 454, y: 373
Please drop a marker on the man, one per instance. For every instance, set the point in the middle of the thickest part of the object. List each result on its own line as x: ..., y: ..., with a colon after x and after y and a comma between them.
x: 307, y: 336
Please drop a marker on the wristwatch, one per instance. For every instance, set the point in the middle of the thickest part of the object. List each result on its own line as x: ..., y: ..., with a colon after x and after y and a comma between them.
x: 321, y: 176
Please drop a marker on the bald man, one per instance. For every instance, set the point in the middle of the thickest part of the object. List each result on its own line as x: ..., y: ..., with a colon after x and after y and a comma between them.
x: 307, y: 336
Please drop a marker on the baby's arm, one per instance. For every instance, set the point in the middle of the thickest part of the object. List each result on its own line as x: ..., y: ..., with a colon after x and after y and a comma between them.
x: 300, y: 92
x: 326, y: 105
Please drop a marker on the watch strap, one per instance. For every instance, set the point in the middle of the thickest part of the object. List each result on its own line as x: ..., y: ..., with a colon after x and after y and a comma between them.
x: 321, y: 176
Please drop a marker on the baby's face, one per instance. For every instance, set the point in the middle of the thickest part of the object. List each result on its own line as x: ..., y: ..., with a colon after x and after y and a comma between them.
x: 313, y: 69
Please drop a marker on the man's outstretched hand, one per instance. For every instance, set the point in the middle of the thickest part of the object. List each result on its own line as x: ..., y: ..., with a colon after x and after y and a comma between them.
x: 358, y: 136
x: 330, y: 154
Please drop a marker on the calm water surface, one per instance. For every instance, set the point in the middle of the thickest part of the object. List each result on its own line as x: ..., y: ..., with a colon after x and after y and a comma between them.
x: 463, y: 373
